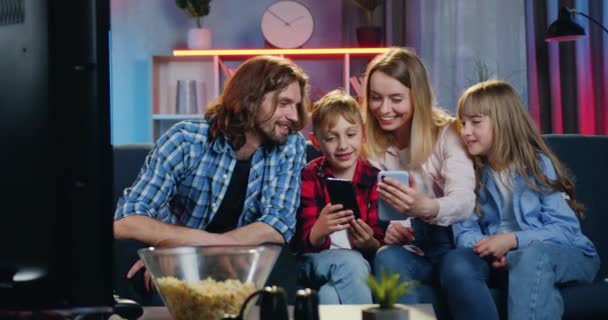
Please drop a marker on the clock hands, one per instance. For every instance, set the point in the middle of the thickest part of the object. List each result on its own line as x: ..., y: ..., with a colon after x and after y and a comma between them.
x: 296, y: 19
x: 283, y: 20
x: 277, y: 16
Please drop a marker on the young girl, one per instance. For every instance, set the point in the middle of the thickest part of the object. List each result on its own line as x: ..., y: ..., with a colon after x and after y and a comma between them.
x: 407, y: 132
x: 525, y: 222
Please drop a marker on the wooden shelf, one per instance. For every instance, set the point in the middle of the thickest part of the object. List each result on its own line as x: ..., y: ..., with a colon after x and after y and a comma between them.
x: 207, y: 68
x: 298, y: 52
x: 177, y: 116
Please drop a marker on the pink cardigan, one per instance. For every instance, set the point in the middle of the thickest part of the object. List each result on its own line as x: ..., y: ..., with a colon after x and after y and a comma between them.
x: 448, y: 173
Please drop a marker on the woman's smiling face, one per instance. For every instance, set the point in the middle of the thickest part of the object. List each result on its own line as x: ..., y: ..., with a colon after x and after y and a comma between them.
x: 389, y: 102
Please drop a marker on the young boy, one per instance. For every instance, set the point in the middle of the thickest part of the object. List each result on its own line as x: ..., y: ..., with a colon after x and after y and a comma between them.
x: 335, y: 243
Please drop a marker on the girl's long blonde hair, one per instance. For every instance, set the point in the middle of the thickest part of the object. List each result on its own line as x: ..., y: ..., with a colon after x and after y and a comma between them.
x: 516, y: 139
x: 427, y: 120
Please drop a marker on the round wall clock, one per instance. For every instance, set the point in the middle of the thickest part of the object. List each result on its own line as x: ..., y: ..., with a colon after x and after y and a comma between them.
x: 287, y: 24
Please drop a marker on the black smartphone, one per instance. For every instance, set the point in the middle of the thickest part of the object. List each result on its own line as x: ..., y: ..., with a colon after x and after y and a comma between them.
x: 342, y: 192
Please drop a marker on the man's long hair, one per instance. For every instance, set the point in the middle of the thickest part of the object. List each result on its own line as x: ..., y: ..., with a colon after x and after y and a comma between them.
x: 234, y: 112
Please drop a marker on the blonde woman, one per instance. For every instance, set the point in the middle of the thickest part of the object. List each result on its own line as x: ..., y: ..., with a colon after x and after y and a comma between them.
x: 405, y: 131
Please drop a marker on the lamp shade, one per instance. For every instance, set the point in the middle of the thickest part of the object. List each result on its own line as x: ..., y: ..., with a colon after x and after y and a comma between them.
x: 564, y: 28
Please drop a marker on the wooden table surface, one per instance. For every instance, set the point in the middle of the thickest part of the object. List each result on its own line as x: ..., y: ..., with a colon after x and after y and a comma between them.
x: 326, y: 312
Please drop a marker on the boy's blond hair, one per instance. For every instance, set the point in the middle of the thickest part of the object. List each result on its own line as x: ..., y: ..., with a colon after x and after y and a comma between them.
x: 327, y: 110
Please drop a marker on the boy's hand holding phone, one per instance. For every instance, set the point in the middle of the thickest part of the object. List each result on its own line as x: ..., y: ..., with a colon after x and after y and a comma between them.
x: 361, y: 235
x: 331, y: 219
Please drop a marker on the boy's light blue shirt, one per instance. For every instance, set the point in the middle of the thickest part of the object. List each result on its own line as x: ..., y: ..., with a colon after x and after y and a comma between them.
x: 185, y: 178
x: 542, y: 216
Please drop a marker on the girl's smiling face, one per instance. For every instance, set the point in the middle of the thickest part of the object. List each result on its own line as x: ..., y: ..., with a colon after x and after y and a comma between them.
x: 477, y: 134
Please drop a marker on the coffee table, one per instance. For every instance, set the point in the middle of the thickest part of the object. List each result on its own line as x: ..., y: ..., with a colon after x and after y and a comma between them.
x: 327, y: 312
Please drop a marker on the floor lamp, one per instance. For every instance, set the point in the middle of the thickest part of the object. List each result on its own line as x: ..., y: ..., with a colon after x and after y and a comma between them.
x: 566, y: 29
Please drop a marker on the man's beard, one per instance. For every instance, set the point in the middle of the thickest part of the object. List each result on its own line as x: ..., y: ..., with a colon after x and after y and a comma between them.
x: 271, y: 137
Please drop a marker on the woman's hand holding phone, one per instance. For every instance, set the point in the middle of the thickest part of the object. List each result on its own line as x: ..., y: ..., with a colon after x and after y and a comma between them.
x: 331, y: 219
x: 407, y: 199
x: 361, y: 235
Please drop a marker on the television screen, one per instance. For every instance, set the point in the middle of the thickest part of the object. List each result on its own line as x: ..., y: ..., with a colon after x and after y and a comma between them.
x: 56, y: 220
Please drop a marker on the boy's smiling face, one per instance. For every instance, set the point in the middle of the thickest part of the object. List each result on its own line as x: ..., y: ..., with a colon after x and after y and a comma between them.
x: 341, y: 144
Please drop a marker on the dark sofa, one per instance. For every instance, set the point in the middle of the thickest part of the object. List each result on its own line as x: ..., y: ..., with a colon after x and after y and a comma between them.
x: 587, y: 159
x: 585, y: 156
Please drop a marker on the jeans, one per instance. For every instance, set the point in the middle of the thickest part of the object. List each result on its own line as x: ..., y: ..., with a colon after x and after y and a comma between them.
x: 535, y: 274
x: 338, y: 275
x: 465, y: 283
x: 435, y: 241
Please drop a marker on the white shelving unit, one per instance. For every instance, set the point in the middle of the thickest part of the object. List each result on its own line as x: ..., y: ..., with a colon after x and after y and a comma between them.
x: 161, y: 117
x: 204, y: 66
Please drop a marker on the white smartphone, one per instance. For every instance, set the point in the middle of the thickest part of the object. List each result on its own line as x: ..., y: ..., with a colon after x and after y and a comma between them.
x: 385, y: 211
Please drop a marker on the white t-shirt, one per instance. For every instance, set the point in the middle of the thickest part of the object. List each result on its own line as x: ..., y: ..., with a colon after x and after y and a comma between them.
x: 504, y: 183
x: 339, y: 240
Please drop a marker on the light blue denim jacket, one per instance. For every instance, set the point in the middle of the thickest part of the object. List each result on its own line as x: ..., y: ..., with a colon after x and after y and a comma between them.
x: 541, y: 216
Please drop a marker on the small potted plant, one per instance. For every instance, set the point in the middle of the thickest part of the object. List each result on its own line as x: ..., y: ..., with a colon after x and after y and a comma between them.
x: 369, y: 35
x: 481, y: 71
x: 199, y: 37
x: 386, y: 291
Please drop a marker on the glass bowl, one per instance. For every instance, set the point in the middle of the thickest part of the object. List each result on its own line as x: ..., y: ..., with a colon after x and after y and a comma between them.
x: 198, y: 283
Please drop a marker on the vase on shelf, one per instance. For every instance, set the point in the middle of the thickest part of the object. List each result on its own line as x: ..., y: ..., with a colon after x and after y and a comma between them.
x: 199, y: 38
x: 186, y: 98
x: 370, y: 36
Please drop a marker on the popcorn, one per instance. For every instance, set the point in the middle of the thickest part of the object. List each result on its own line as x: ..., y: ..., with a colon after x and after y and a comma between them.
x: 203, y: 299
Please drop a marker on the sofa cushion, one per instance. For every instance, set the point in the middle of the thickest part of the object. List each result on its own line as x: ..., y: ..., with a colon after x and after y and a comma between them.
x: 127, y: 160
x: 587, y: 158
x: 586, y: 301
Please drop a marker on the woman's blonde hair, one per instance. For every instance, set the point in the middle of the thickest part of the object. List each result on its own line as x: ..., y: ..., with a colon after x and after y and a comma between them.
x: 427, y: 120
x: 516, y: 138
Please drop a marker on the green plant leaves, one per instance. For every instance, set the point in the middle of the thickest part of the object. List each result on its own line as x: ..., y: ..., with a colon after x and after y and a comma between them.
x: 387, y: 290
x: 194, y: 8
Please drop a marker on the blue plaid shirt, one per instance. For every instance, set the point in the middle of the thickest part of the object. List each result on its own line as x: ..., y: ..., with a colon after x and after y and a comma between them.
x: 185, y: 177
